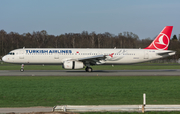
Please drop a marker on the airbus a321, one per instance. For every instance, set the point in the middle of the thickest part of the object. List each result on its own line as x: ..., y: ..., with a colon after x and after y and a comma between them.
x: 77, y: 58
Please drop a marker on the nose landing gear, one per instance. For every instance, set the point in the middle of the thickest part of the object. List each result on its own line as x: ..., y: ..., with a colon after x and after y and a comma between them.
x: 22, y: 68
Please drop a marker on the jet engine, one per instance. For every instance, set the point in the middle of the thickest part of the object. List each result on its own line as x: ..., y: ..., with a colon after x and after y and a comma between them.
x: 73, y: 65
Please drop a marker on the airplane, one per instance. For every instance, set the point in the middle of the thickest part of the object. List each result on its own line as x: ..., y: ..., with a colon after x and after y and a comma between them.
x: 78, y: 58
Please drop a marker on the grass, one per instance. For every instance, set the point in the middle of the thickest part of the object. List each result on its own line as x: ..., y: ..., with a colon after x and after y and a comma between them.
x: 51, y: 91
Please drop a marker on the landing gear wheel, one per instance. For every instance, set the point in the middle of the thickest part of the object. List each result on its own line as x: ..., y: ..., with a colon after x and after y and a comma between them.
x: 88, y: 69
x: 22, y: 70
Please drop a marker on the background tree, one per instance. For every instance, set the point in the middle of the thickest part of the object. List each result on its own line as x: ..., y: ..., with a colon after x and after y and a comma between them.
x: 174, y: 38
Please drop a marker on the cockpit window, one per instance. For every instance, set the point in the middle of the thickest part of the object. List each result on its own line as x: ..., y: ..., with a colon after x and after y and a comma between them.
x: 11, y: 53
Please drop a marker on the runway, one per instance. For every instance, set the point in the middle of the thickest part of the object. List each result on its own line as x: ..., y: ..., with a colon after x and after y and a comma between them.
x: 167, y: 72
x: 14, y: 110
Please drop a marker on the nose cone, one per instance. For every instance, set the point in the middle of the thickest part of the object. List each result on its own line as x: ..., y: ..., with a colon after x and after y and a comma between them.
x: 4, y: 58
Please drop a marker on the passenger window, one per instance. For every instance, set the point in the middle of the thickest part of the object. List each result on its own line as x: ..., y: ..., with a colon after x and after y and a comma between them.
x: 11, y: 53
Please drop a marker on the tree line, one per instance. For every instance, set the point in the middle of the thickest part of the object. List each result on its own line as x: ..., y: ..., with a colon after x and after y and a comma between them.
x: 41, y: 39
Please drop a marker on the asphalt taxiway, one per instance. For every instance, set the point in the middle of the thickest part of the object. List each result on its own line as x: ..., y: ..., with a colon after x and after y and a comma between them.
x: 167, y: 72
x: 14, y: 110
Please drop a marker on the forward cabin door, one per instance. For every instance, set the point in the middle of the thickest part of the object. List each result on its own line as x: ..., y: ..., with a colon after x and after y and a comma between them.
x: 146, y: 54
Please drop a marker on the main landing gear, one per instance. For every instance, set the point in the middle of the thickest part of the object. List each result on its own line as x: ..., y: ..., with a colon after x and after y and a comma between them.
x: 88, y: 69
x: 22, y: 68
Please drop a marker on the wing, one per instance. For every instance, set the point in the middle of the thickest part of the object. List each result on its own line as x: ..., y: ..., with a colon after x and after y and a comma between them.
x: 98, y: 59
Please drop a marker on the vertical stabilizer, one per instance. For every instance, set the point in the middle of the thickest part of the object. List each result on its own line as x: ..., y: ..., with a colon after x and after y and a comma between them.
x: 161, y: 42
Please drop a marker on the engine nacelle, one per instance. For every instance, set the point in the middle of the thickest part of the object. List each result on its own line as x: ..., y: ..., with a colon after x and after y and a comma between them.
x: 73, y: 65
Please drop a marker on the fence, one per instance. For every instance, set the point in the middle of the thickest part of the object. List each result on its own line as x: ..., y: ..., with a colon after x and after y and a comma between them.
x: 117, y: 108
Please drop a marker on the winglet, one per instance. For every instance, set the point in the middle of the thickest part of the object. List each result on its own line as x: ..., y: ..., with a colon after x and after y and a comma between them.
x: 162, y: 40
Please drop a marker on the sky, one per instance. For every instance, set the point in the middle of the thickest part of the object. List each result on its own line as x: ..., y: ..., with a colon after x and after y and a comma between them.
x: 146, y: 18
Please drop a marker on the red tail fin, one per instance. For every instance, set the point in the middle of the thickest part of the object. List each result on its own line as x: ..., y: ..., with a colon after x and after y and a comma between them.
x: 162, y: 40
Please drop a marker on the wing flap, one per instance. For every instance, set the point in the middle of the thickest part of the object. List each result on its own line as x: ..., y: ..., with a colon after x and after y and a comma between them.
x: 93, y: 59
x: 97, y: 57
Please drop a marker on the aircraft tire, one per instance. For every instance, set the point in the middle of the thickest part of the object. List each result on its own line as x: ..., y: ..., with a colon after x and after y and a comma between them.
x: 89, y: 69
x: 22, y: 70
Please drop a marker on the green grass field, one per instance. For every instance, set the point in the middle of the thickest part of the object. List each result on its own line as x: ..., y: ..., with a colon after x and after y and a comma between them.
x: 51, y: 91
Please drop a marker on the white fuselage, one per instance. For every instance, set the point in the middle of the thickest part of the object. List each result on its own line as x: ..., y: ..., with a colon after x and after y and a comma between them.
x: 59, y: 55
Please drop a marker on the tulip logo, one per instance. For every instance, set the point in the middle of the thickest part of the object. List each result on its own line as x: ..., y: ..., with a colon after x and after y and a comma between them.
x: 161, y: 42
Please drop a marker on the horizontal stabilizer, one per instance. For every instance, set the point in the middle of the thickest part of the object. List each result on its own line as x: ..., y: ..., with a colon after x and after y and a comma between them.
x: 169, y: 53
